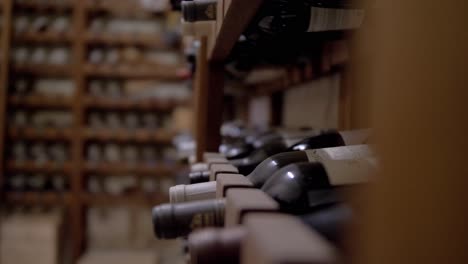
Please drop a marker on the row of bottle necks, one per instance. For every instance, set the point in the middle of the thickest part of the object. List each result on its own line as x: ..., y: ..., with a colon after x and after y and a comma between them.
x: 96, y: 120
x: 291, y: 200
x: 41, y: 152
x: 62, y: 55
x: 94, y: 184
x: 60, y: 24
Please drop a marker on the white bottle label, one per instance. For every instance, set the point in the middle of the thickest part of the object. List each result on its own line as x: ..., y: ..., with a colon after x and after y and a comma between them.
x: 345, y: 165
x: 328, y: 19
x: 339, y: 153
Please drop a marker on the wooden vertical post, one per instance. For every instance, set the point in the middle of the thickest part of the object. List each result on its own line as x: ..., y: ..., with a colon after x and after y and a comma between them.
x: 77, y: 212
x: 4, y: 73
x: 418, y: 210
x: 209, y: 80
x: 201, y: 98
x: 215, y: 105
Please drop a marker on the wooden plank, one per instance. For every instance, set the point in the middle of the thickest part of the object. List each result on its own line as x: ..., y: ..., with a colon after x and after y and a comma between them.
x: 238, y: 15
x: 125, y: 199
x: 129, y: 104
x: 137, y: 168
x: 39, y: 134
x: 44, y: 6
x: 149, y: 41
x: 41, y: 198
x: 138, y: 135
x: 32, y: 166
x: 40, y: 101
x: 48, y: 70
x: 123, y: 8
x: 149, y: 71
x: 43, y: 37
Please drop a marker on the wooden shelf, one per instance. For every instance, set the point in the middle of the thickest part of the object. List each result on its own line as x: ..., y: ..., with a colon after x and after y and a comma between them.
x: 124, y: 10
x: 39, y: 134
x: 125, y: 199
x: 137, y: 168
x: 132, y: 72
x: 32, y: 166
x: 43, y: 69
x: 49, y: 198
x: 129, y: 104
x: 77, y: 69
x: 237, y: 17
x: 44, y: 37
x: 44, y: 6
x: 40, y: 101
x: 138, y: 135
x: 127, y: 40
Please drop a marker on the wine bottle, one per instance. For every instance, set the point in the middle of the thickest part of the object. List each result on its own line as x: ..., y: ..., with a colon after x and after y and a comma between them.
x: 37, y: 182
x: 199, y: 10
x: 216, y: 245
x: 199, y: 176
x: 208, y: 190
x: 297, y: 188
x: 235, y: 150
x: 39, y: 153
x: 266, y: 168
x: 299, y: 140
x: 330, y: 221
x: 291, y: 17
x: 192, y: 192
x: 59, y: 183
x: 271, y: 165
x: 258, y: 176
x: 58, y: 152
x: 294, y: 185
x: 16, y: 183
x: 247, y: 165
x: 174, y: 220
x: 332, y: 138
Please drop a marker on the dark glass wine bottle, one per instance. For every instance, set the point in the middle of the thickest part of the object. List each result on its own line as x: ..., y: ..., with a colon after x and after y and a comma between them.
x: 175, y: 220
x: 272, y: 164
x: 215, y: 245
x: 247, y: 165
x: 199, y: 10
x: 298, y: 187
x: 278, y: 17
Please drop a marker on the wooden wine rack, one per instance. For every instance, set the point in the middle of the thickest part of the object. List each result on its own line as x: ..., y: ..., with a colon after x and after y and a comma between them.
x: 76, y: 199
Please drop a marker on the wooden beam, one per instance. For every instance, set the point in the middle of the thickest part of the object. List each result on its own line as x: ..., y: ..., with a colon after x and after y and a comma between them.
x: 4, y: 73
x: 209, y: 80
x: 201, y: 98
x: 77, y: 212
x: 237, y: 18
x: 215, y: 106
